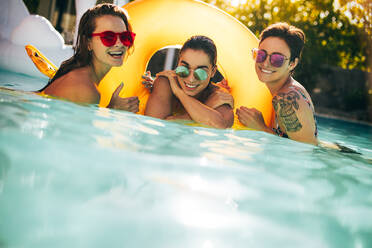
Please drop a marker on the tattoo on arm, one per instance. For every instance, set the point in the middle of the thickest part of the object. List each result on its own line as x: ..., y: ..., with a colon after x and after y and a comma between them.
x: 288, y: 103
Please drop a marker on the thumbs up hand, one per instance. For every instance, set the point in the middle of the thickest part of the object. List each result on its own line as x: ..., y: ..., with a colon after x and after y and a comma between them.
x: 130, y: 104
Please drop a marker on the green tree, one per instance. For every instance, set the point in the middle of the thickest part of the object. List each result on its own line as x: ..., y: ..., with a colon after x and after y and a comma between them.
x: 333, y: 38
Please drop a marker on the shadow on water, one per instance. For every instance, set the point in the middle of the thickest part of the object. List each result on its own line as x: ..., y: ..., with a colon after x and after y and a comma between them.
x: 341, y: 153
x: 11, y: 115
x: 335, y: 172
x: 4, y: 167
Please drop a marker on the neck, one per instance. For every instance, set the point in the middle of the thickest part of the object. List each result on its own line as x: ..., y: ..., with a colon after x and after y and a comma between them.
x: 201, y: 96
x: 99, y: 71
x: 275, y: 87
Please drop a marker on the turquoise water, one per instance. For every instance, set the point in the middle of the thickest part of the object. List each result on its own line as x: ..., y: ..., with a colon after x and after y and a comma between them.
x: 83, y: 176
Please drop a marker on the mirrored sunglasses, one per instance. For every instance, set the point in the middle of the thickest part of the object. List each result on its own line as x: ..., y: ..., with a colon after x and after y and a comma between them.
x: 276, y: 59
x: 199, y: 74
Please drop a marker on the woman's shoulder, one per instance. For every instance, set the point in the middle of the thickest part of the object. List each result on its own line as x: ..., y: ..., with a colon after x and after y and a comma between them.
x: 83, y: 75
x: 219, y: 96
x: 221, y: 88
x: 76, y: 85
x: 295, y: 97
x: 294, y: 86
x: 161, y: 86
x: 301, y: 90
x: 77, y: 75
x: 161, y: 80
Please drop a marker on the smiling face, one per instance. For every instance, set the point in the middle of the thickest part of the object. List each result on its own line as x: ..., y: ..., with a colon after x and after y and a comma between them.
x: 195, y: 59
x: 105, y: 57
x: 266, y: 72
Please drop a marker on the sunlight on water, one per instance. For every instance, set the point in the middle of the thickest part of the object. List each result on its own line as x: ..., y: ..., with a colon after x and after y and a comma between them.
x: 83, y: 176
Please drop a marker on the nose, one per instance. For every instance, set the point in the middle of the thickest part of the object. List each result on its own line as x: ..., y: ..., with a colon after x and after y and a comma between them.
x: 266, y: 63
x: 118, y: 41
x: 191, y: 77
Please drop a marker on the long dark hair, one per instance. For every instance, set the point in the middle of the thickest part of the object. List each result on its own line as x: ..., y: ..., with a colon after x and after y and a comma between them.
x: 82, y: 56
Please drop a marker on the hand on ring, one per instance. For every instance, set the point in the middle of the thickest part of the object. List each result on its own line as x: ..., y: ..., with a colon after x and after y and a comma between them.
x: 251, y: 118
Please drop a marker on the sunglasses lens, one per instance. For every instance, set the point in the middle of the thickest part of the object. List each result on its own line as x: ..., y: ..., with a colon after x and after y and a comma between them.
x: 261, y: 56
x: 108, y: 38
x: 127, y: 38
x: 277, y: 60
x: 182, y: 71
x: 200, y: 74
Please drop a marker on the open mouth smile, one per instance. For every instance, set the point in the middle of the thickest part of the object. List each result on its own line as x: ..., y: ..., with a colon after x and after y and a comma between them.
x: 191, y: 86
x: 266, y: 70
x: 116, y: 54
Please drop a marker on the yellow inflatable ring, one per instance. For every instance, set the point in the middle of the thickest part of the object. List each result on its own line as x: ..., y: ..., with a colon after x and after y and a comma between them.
x: 161, y: 23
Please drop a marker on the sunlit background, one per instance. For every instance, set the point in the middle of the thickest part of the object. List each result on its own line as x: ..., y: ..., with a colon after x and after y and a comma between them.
x: 336, y: 63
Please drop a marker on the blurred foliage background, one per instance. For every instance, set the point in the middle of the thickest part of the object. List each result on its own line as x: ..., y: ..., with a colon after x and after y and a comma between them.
x: 338, y: 32
x: 337, y: 59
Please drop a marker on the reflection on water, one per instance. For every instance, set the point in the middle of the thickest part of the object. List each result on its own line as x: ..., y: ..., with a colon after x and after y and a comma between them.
x: 83, y: 176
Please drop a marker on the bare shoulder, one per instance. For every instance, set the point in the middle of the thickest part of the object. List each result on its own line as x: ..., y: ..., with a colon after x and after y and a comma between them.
x: 159, y: 104
x: 219, y: 96
x: 81, y: 77
x: 77, y: 86
x: 293, y: 93
x: 161, y: 87
x: 295, y: 114
x: 161, y: 82
x: 292, y: 100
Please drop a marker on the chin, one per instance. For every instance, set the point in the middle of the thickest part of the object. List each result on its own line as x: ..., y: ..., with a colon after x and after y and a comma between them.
x: 263, y: 79
x: 116, y: 64
x: 190, y: 93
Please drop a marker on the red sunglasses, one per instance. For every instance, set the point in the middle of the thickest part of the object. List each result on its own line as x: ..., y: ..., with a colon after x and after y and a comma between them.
x: 109, y: 38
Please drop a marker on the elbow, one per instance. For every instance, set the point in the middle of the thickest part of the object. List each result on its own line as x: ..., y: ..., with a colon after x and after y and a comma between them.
x: 221, y: 123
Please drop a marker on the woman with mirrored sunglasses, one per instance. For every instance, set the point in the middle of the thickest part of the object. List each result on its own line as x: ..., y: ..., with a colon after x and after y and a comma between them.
x: 277, y: 56
x: 104, y: 38
x: 186, y: 93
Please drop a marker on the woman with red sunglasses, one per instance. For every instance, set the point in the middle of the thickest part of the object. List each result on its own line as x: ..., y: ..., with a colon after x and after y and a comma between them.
x: 104, y: 37
x: 278, y: 54
x: 186, y: 93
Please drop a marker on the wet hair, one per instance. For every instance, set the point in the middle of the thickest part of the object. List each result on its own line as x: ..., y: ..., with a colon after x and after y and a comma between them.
x: 294, y: 37
x: 202, y: 43
x: 82, y: 56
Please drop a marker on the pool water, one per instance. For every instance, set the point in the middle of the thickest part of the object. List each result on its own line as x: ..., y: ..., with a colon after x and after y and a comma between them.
x: 84, y: 176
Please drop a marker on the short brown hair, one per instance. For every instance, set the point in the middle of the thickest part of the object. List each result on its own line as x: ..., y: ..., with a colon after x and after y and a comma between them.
x: 294, y: 37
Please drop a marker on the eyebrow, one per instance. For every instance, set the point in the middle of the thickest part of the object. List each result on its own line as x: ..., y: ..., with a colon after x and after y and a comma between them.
x: 188, y: 65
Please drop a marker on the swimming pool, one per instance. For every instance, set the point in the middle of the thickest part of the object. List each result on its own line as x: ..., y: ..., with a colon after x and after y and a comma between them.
x: 83, y: 176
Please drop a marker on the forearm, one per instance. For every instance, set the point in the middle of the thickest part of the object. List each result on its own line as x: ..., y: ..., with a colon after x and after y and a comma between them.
x: 201, y: 113
x: 179, y: 117
x: 154, y: 109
